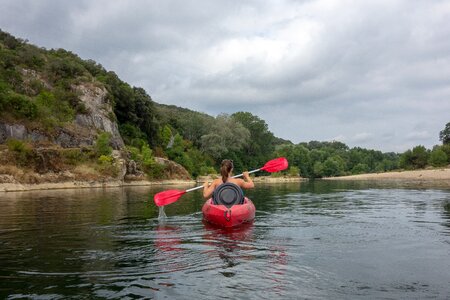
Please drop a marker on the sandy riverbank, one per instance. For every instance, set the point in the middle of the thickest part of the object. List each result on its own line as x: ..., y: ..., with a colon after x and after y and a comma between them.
x: 417, y: 175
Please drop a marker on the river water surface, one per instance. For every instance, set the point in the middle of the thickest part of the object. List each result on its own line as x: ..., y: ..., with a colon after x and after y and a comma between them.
x: 314, y: 240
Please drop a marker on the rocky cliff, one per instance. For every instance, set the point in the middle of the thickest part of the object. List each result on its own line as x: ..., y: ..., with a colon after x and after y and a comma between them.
x: 58, y: 156
x: 60, y: 116
x: 55, y: 155
x: 82, y: 131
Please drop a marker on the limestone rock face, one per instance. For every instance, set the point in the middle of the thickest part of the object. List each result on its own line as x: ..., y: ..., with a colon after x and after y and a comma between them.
x: 16, y: 131
x: 83, y: 131
x: 100, y: 114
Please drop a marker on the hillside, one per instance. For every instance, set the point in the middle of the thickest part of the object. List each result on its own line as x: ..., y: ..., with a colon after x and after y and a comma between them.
x: 60, y: 116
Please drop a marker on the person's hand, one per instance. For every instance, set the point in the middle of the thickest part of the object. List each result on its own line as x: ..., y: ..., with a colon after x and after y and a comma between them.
x: 206, y: 184
x: 245, y: 174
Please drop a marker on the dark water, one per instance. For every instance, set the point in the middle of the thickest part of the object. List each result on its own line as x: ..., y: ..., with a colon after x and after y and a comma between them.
x: 309, y: 241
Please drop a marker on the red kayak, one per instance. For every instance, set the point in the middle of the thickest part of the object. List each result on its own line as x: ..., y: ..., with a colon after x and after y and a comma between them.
x: 221, y: 215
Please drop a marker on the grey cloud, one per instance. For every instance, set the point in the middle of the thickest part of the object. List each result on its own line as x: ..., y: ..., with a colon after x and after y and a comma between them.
x: 374, y: 73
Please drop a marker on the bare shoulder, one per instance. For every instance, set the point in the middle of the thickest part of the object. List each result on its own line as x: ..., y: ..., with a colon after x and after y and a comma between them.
x: 237, y: 181
x: 217, y: 182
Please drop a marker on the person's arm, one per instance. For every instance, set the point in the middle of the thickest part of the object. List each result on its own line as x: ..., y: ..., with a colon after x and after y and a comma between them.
x: 247, y: 183
x: 208, y: 189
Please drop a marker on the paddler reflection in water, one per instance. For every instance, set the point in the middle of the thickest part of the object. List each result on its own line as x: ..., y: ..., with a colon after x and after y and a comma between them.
x: 226, y: 170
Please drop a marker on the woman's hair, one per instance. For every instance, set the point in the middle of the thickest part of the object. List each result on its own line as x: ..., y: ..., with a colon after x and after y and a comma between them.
x: 225, y: 169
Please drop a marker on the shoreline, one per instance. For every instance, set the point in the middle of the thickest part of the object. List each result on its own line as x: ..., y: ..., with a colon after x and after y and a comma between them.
x: 19, y: 187
x: 428, y: 175
x: 441, y: 175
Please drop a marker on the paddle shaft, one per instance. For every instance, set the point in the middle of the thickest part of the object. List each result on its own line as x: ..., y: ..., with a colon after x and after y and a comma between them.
x: 235, y: 176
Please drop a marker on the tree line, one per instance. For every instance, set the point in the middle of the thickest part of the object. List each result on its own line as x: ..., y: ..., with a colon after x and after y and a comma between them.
x: 38, y: 84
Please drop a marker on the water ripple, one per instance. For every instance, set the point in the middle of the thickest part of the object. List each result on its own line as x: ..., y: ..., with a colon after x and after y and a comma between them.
x: 312, y: 241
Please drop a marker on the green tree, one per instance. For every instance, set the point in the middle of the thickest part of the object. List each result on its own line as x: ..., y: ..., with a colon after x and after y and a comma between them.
x: 384, y: 165
x: 176, y: 147
x: 146, y: 114
x: 194, y: 125
x: 333, y: 166
x: 214, y: 145
x: 132, y: 135
x: 419, y: 156
x: 444, y: 135
x: 406, y: 160
x: 132, y: 105
x: 446, y: 149
x: 416, y: 158
x: 318, y: 169
x: 261, y: 145
x: 298, y: 156
x: 165, y: 135
x: 360, y: 169
x: 438, y: 158
x: 226, y: 135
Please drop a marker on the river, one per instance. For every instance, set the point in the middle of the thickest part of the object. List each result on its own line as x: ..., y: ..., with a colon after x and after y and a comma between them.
x: 310, y: 240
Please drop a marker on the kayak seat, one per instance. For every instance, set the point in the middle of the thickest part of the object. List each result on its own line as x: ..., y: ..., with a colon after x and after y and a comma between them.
x: 228, y: 194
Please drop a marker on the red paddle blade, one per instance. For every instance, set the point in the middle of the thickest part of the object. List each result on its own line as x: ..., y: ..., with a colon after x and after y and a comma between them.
x: 275, y: 165
x: 167, y: 197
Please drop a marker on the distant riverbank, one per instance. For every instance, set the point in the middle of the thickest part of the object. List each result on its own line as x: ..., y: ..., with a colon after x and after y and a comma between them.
x: 442, y: 175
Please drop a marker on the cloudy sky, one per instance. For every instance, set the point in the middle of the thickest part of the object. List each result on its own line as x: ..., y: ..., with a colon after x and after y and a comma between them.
x: 374, y: 74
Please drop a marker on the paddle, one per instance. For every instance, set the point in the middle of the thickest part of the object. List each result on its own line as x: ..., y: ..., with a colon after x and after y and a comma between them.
x: 170, y: 196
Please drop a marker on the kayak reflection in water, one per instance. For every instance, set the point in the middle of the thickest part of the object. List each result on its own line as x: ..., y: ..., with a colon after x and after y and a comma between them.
x: 226, y: 170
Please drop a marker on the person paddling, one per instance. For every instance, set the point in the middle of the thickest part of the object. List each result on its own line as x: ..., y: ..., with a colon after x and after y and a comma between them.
x: 226, y: 169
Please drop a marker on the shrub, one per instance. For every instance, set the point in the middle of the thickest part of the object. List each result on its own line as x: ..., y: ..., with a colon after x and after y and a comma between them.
x: 276, y: 174
x: 70, y: 98
x: 106, y: 165
x: 294, y: 171
x: 35, y: 87
x: 65, y: 68
x: 19, y: 105
x: 105, y: 159
x: 74, y: 156
x: 31, y: 56
x: 205, y: 170
x: 102, y: 146
x: 157, y: 171
x: 145, y: 159
x: 22, y: 151
x: 438, y: 158
x: 54, y: 109
x: 16, y: 145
